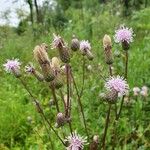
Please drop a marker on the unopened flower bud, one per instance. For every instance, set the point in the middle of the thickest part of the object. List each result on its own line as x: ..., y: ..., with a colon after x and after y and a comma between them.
x: 64, y: 54
x: 107, y: 41
x: 40, y: 54
x: 47, y: 72
x: 57, y: 82
x: 60, y: 120
x: 95, y: 142
x: 55, y: 63
x: 89, y: 55
x: 96, y: 138
x: 62, y: 48
x: 39, y: 76
x: 108, y: 49
x: 75, y: 44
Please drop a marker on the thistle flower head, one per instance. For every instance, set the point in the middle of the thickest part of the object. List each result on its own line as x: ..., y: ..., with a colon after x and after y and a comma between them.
x: 29, y: 68
x: 118, y: 84
x: 124, y: 34
x: 12, y: 65
x: 84, y: 46
x: 76, y: 142
x: 57, y: 41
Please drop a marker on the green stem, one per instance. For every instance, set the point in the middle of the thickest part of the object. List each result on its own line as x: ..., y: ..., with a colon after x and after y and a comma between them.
x: 83, y: 77
x: 68, y: 107
x: 55, y: 98
x: 125, y: 76
x: 106, y: 128
x: 80, y: 104
x: 41, y: 111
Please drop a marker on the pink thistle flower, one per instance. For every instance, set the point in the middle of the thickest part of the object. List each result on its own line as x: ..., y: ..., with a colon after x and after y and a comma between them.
x: 57, y: 41
x: 124, y: 34
x: 29, y: 68
x: 85, y: 46
x: 118, y: 84
x: 76, y: 142
x: 12, y: 65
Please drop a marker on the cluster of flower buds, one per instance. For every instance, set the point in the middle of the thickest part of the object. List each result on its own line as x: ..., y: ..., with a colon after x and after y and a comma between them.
x: 107, y: 44
x: 143, y: 91
x: 40, y: 54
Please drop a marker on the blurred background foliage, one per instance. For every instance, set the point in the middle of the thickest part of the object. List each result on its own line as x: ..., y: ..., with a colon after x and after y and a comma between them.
x: 87, y: 19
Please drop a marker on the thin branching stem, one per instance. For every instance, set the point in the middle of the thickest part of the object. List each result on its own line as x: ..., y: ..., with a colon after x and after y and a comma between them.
x: 122, y: 101
x: 83, y: 76
x: 80, y: 104
x: 41, y: 111
x: 62, y: 97
x: 68, y: 105
x: 55, y: 98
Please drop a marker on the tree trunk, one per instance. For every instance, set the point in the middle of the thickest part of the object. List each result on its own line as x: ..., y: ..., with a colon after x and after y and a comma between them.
x: 38, y: 16
x: 31, y: 10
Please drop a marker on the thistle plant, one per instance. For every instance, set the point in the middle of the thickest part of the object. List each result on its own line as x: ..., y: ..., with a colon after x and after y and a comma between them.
x: 63, y: 85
